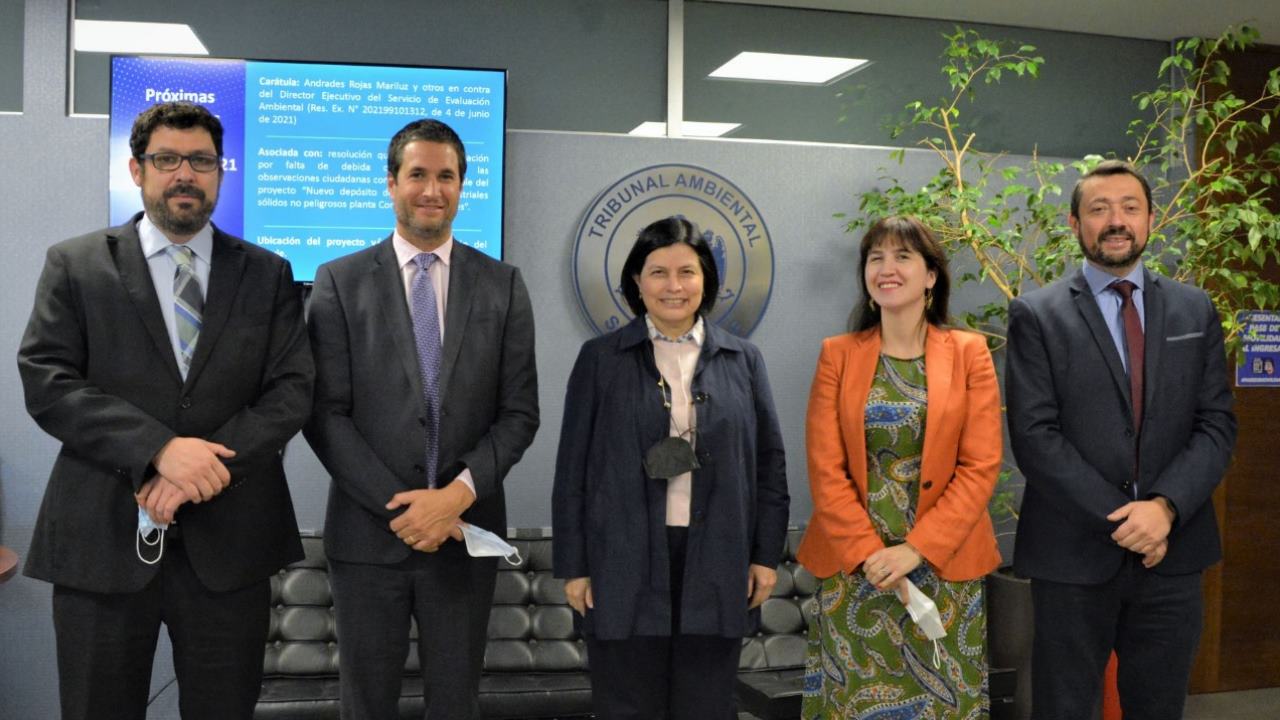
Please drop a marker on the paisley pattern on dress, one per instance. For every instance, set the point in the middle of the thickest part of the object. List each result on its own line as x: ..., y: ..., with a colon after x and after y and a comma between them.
x: 866, y: 658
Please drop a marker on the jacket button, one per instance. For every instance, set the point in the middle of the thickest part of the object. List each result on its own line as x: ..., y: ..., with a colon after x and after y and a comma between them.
x: 422, y: 421
x: 186, y: 403
x: 1126, y: 485
x: 1128, y: 432
x: 419, y: 469
x: 927, y: 484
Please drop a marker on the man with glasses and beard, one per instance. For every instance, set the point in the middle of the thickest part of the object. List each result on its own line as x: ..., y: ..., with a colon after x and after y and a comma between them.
x: 1120, y: 419
x: 171, y: 361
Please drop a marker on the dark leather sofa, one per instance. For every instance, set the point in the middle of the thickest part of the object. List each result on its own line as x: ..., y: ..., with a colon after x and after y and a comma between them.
x: 535, y: 663
x: 534, y: 666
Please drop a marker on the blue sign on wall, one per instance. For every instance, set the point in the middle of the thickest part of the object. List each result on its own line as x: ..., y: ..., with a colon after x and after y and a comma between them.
x: 1261, y: 336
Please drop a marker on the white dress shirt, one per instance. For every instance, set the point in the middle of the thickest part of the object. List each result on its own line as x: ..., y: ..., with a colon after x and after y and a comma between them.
x: 677, y: 358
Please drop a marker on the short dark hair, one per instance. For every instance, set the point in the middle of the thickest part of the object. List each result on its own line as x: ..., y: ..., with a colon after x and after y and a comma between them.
x: 427, y: 131
x: 664, y: 233
x: 917, y: 236
x: 176, y: 115
x: 1104, y: 169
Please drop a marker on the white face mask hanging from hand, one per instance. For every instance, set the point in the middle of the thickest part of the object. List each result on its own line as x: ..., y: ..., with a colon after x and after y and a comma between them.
x: 925, y: 614
x: 151, y: 534
x: 482, y: 543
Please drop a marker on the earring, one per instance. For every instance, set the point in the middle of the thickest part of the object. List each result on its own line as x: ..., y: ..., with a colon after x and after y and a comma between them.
x: 871, y: 304
x: 928, y: 298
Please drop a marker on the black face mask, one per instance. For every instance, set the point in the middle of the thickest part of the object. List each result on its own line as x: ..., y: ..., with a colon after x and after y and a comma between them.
x: 670, y: 457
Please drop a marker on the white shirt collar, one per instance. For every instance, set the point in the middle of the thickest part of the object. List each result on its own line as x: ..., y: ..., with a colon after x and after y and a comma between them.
x: 697, y: 334
x: 154, y: 241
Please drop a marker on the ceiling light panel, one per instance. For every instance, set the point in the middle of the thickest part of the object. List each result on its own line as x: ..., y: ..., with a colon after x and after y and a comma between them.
x: 108, y: 36
x: 687, y: 129
x: 782, y: 68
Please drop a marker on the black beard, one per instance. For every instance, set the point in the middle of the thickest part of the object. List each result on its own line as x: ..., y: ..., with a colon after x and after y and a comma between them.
x: 1100, y: 258
x: 186, y: 223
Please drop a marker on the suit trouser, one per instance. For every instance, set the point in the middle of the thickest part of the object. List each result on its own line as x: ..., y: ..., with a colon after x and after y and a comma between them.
x: 449, y: 594
x: 677, y: 677
x: 107, y: 641
x: 1152, y: 621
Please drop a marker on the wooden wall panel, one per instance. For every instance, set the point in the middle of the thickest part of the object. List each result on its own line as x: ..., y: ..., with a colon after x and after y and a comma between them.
x: 1240, y: 647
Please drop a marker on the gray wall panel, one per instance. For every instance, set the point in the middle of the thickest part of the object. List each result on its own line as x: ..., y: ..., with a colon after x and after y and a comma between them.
x: 11, y: 12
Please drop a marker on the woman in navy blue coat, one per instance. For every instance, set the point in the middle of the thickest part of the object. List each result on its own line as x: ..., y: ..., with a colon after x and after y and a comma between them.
x: 670, y: 503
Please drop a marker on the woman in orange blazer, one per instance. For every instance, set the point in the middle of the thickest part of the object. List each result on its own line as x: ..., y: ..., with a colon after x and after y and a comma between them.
x: 904, y: 448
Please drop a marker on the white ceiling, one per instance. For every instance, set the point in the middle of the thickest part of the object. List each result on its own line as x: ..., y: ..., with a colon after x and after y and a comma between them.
x: 1147, y: 19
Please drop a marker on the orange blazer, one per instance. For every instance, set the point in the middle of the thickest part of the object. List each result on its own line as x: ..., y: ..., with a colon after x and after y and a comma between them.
x: 963, y: 450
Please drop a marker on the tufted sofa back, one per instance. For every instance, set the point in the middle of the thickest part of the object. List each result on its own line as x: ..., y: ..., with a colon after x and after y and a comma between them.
x: 535, y: 664
x: 784, y: 617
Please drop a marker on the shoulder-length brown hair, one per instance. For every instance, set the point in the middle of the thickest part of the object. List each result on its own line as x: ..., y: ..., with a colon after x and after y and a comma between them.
x: 913, y: 234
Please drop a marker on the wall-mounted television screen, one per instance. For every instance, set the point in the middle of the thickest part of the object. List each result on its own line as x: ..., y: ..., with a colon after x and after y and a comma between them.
x: 305, y: 146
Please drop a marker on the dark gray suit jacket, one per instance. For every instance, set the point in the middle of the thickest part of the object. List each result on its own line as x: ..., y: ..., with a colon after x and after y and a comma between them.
x: 368, y: 425
x: 1072, y: 431
x: 99, y: 374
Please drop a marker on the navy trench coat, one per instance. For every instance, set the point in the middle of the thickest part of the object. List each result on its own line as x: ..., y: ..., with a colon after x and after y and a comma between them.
x: 609, y: 518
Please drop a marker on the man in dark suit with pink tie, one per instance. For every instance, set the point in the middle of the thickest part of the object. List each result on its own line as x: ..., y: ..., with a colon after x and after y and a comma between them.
x: 1120, y: 419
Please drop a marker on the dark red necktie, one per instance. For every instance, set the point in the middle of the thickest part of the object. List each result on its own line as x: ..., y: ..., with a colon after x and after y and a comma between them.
x: 1133, y: 341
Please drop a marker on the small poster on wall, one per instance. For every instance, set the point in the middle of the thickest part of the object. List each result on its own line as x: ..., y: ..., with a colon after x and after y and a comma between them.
x: 1261, y: 336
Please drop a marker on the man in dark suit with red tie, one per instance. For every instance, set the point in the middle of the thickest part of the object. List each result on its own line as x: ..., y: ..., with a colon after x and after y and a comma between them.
x: 1120, y: 420
x: 170, y: 360
x: 426, y: 396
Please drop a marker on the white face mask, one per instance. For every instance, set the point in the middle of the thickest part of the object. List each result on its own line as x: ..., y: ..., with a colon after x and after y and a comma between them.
x: 151, y: 534
x: 925, y: 614
x: 482, y: 543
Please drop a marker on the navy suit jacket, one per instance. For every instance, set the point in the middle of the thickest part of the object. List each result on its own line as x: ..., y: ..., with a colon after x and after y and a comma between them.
x: 1073, y: 435
x: 609, y: 517
x: 99, y: 375
x: 368, y: 426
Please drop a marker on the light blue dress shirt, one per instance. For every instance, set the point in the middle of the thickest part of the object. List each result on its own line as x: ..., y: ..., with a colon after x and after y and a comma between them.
x: 162, y: 267
x: 1109, y: 302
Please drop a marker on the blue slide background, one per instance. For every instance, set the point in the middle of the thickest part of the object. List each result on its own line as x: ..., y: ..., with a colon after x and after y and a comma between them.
x: 131, y: 78
x: 305, y: 172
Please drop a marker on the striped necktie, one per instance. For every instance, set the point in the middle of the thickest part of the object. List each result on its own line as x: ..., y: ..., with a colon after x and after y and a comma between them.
x: 188, y: 303
x: 426, y: 332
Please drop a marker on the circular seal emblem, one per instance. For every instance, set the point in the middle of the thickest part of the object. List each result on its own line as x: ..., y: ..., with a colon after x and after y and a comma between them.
x: 728, y: 220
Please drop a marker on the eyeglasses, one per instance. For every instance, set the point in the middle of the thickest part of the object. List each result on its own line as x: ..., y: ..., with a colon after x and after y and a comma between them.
x: 170, y: 161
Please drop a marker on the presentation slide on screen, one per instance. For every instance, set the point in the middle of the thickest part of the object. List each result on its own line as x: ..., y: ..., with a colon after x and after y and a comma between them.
x: 305, y: 146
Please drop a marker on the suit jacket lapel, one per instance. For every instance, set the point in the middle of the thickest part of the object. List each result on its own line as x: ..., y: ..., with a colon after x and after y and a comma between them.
x: 1092, y: 316
x: 939, y: 360
x: 126, y: 249
x: 1153, y: 333
x: 462, y: 290
x: 225, y: 272
x: 388, y: 285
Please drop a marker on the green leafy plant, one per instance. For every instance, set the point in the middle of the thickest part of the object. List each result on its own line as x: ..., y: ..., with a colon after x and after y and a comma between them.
x: 1002, y: 219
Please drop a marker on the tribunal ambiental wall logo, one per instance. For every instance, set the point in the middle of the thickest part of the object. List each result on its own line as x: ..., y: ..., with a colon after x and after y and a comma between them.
x: 728, y: 220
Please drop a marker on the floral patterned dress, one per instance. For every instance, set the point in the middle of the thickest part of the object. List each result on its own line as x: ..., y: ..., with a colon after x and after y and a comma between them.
x: 867, y: 660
